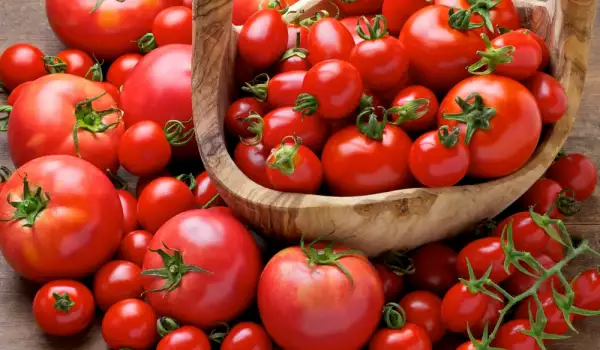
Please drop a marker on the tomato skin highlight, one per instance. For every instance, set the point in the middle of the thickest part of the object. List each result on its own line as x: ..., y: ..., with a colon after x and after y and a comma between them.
x: 550, y: 96
x: 397, y: 12
x: 239, y: 110
x: 144, y: 181
x: 425, y: 309
x: 144, y: 149
x: 173, y: 25
x: 427, y: 121
x: 283, y: 122
x: 20, y: 63
x: 409, y: 337
x: 58, y: 322
x: 130, y: 323
x: 329, y: 39
x: 509, y: 336
x: 556, y: 321
x: 117, y: 280
x: 527, y: 235
x: 263, y: 39
x: 16, y: 93
x: 541, y: 195
x: 129, y: 206
x: 435, y: 275
x: 460, y: 307
x: 577, y: 173
x: 121, y: 68
x: 185, y: 338
x: 78, y: 62
x: 134, y: 246
x: 587, y: 290
x: 482, y: 254
x: 251, y: 160
x: 393, y: 284
x: 284, y: 88
x: 247, y: 335
x: 205, y: 191
x: 543, y: 46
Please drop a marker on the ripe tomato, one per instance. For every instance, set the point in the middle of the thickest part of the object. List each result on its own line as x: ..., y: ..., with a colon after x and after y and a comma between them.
x: 502, y: 14
x: 297, y: 37
x: 252, y: 160
x: 161, y: 200
x: 392, y: 282
x: 238, y: 111
x: 329, y: 39
x: 121, y: 68
x: 70, y: 103
x: 51, y: 228
x: 21, y: 63
x: 134, y: 246
x: 16, y: 93
x: 286, y: 121
x: 543, y: 195
x: 351, y: 24
x: 281, y: 91
x: 129, y: 206
x: 294, y: 291
x: 409, y: 337
x: 509, y: 336
x: 295, y: 58
x: 512, y: 132
x: 185, y: 338
x: 425, y: 309
x: 205, y: 192
x: 293, y: 167
x: 247, y: 335
x: 71, y: 61
x: 577, y: 173
x: 414, y: 109
x: 130, y: 323
x: 527, y: 235
x: 467, y: 346
x: 244, y: 9
x: 397, y: 12
x: 550, y: 96
x: 196, y: 268
x: 587, y: 290
x: 173, y: 25
x: 439, y: 158
x: 438, y: 52
x: 482, y: 254
x: 358, y: 7
x: 117, y: 280
x: 263, y: 39
x: 461, y: 307
x: 63, y: 308
x: 144, y: 181
x: 556, y: 321
x: 543, y: 46
x: 144, y: 150
x: 519, y: 282
x: 112, y: 90
x: 106, y: 29
x: 555, y: 250
x: 435, y: 275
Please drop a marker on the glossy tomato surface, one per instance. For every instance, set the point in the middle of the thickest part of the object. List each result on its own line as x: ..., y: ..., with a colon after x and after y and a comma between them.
x: 133, y: 246
x: 398, y: 12
x: 482, y: 254
x: 252, y: 160
x: 542, y: 196
x: 173, y: 25
x: 121, y: 68
x: 263, y: 38
x: 305, y: 174
x: 284, y: 88
x: 185, y: 338
x: 240, y: 109
x: 425, y: 309
x: 510, y: 336
x: 393, y: 283
x: 283, y: 122
x: 247, y: 335
x: 117, y: 280
x: 161, y: 200
x: 144, y: 149
x: 205, y: 192
x: 130, y: 323
x: 329, y: 39
x: 21, y: 63
x: 78, y: 62
x: 504, y: 14
x: 587, y: 290
x: 435, y: 275
x: 556, y: 321
x: 550, y: 96
x: 409, y: 337
x: 460, y: 308
x: 527, y: 235
x: 129, y: 206
x: 407, y: 96
x: 577, y: 173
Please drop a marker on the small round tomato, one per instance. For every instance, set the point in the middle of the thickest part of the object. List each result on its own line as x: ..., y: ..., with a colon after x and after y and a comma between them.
x: 21, y: 63
x: 519, y: 282
x: 16, y: 93
x: 425, y: 309
x: 145, y: 149
x: 409, y: 337
x: 556, y: 321
x: 509, y: 336
x: 502, y: 14
x: 247, y: 335
x: 120, y: 69
x: 297, y: 37
x: 351, y: 23
x: 238, y: 111
x: 63, y: 308
x: 117, y: 280
x: 555, y: 250
x: 185, y: 338
x: 173, y: 25
x: 70, y: 61
x: 134, y: 246
x: 252, y: 160
x: 295, y: 58
x: 129, y: 205
x: 435, y: 275
x: 543, y: 46
x: 398, y: 12
x: 467, y: 346
x: 263, y: 39
x: 280, y: 91
x: 439, y: 158
x: 527, y: 235
x: 329, y: 39
x: 293, y: 167
x: 587, y: 290
x: 550, y: 96
x: 130, y: 323
x: 414, y: 109
x: 286, y: 121
x: 161, y: 200
x: 576, y: 173
x: 205, y: 192
x: 112, y: 90
x: 482, y: 254
x: 393, y: 283
x: 547, y: 196
x: 144, y: 181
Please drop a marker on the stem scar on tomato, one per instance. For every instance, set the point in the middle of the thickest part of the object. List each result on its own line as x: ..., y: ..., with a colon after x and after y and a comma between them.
x: 166, y: 325
x: 256, y: 125
x: 285, y: 155
x: 4, y: 120
x: 62, y: 302
x: 411, y: 110
x: 96, y: 71
x: 30, y: 206
x: 491, y: 57
x: 176, y: 134
x: 296, y: 51
x: 274, y: 4
x: 474, y: 114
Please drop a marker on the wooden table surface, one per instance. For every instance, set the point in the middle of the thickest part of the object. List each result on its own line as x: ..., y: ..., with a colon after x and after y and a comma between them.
x: 25, y: 20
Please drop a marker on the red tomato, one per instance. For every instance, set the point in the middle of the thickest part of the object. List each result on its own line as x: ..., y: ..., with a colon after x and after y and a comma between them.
x: 121, y: 68
x: 63, y: 308
x: 281, y: 91
x: 439, y: 158
x: 52, y: 229
x: 527, y: 235
x: 461, y: 307
x: 117, y: 280
x: 129, y: 206
x: 435, y: 275
x: 438, y: 52
x: 509, y: 336
x: 21, y: 63
x: 556, y: 321
x: 414, y: 109
x: 112, y: 90
x: 293, y: 167
x: 106, y: 29
x: 543, y: 46
x: 577, y: 173
x: 295, y: 58
x: 130, y: 323
x: 285, y: 121
x: 542, y: 196
x: 409, y: 337
x: 187, y: 3
x: 205, y: 192
x: 144, y: 181
x: 297, y: 37
x: 358, y: 7
x: 397, y: 12
x: 467, y: 346
x: 16, y: 93
x: 514, y: 129
x: 161, y: 200
x: 519, y: 282
x: 252, y: 160
x: 71, y: 61
x: 503, y: 14
x: 550, y: 96
x: 329, y: 39
x: 240, y: 109
x: 173, y: 25
x: 247, y: 335
x: 144, y: 150
x: 352, y: 22
x: 555, y: 250
x: 294, y: 291
x: 263, y: 38
x: 67, y: 100
x: 134, y: 246
x: 198, y: 268
x: 393, y: 283
x: 425, y: 309
x: 185, y: 338
x: 482, y: 254
x: 587, y: 290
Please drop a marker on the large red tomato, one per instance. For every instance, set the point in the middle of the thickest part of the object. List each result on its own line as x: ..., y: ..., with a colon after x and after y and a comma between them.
x: 104, y: 28
x: 52, y: 228
x: 202, y: 268
x: 49, y: 109
x: 305, y: 303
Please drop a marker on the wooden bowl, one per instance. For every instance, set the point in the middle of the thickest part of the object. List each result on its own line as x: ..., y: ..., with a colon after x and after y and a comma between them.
x: 400, y: 219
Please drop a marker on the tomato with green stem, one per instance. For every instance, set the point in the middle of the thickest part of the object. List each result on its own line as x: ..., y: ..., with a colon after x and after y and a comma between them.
x: 586, y: 286
x: 329, y: 39
x: 548, y: 197
x: 398, y: 12
x: 296, y: 56
x: 482, y: 254
x: 576, y: 173
x: 117, y: 280
x: 263, y: 39
x: 556, y: 323
x: 467, y: 346
x: 550, y: 96
x: 134, y: 246
x: 63, y: 308
x: 351, y: 24
x: 399, y: 334
x: 121, y: 68
x: 510, y: 336
x: 293, y: 167
x: 238, y: 111
x: 518, y: 283
x: 247, y: 335
x: 70, y: 61
x: 252, y: 160
x: 184, y: 338
x: 425, y: 310
x: 21, y: 63
x: 358, y: 7
x: 280, y: 91
x: 414, y: 109
x: 129, y: 206
x: 205, y: 192
x: 130, y: 323
x: 173, y: 25
x: 391, y: 280
x: 485, y: 14
x: 528, y: 231
x: 543, y: 46
x: 435, y: 275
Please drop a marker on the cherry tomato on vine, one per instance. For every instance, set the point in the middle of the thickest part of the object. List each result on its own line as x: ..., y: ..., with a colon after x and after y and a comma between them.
x: 556, y: 321
x: 425, y: 309
x: 247, y: 335
x: 295, y: 33
x: 120, y: 69
x: 555, y: 250
x: 129, y: 206
x: 280, y: 91
x: 527, y: 235
x: 351, y: 24
x: 409, y: 337
x: 393, y: 283
x: 398, y: 12
x: 587, y: 290
x: 550, y: 96
x: 70, y: 61
x: 509, y: 336
x: 238, y: 111
x: 435, y: 275
x: 519, y: 282
x: 63, y: 308
x: 414, y: 109
x: 134, y: 246
x: 286, y: 121
x: 467, y: 346
x: 501, y: 14
x: 21, y: 63
x: 543, y: 46
x: 205, y: 192
x: 173, y: 25
x: 117, y: 280
x: 130, y: 323
x: 185, y: 338
x: 244, y: 9
x: 546, y: 194
x: 482, y: 254
x: 575, y: 172
x: 251, y: 160
x: 161, y: 200
x: 293, y: 167
x: 263, y: 39
x: 329, y: 39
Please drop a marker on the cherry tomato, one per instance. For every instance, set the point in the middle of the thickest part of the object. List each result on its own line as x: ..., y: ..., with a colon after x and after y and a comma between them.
x: 21, y: 63
x: 397, y: 12
x: 173, y: 25
x: 577, y: 173
x: 63, y: 308
x: 280, y: 91
x: 555, y: 250
x: 129, y: 206
x: 143, y: 181
x: 435, y: 275
x: 16, y: 93
x: 112, y: 90
x: 587, y: 290
x: 550, y: 96
x: 467, y: 346
x: 185, y: 338
x: 439, y: 158
x: 556, y: 321
x: 519, y: 282
x: 295, y: 58
x: 393, y: 283
x: 117, y: 280
x: 247, y: 335
x: 351, y: 24
x: 240, y: 109
x: 263, y: 39
x: 293, y: 167
x: 130, y: 323
x: 329, y: 39
x: 509, y: 336
x: 482, y: 254
x: 121, y: 68
x: 71, y: 61
x: 414, y: 109
x: 244, y: 9
x: 161, y: 200
x: 542, y: 195
x: 425, y: 309
x: 503, y: 14
x: 251, y: 160
x: 362, y: 7
x: 293, y: 33
x: 206, y: 192
x: 543, y: 46
x: 134, y: 246
x: 144, y: 149
x: 527, y: 235
x: 409, y: 337
x: 285, y: 121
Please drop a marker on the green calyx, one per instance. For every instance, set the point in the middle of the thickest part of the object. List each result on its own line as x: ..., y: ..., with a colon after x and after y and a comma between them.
x: 54, y: 64
x: 173, y: 271
x: 189, y: 180
x: 62, y: 302
x: 283, y: 158
x: 296, y: 51
x: 312, y: 20
x: 166, y: 325
x: 95, y: 72
x: 393, y: 316
x: 461, y: 19
x: 256, y: 125
x: 552, y: 227
x: 411, y: 110
x: 366, y: 101
x: 217, y: 335
x: 398, y: 262
x: 474, y: 113
x: 276, y: 4
x: 176, y: 134
x: 491, y: 57
x: 447, y: 138
x: 258, y: 87
x: 377, y: 28
x: 566, y: 203
x: 372, y: 129
x: 4, y: 120
x: 307, y: 104
x: 89, y: 119
x: 30, y: 205
x: 146, y: 43
x: 98, y: 3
